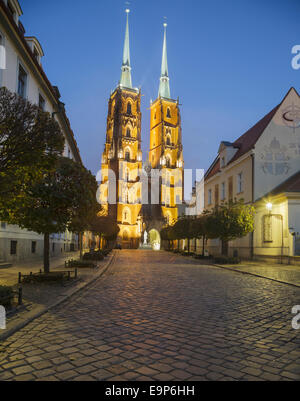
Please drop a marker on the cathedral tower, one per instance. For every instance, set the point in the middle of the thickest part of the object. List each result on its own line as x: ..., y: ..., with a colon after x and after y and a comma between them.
x: 120, y: 189
x: 165, y: 143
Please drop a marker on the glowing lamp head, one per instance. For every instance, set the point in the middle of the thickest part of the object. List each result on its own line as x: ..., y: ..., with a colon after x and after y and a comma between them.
x: 269, y: 206
x: 127, y: 11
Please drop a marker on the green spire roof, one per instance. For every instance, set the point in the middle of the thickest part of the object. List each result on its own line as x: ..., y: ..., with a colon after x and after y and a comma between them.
x: 164, y: 86
x: 126, y: 68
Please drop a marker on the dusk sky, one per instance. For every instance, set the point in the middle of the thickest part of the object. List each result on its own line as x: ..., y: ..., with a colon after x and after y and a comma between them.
x: 229, y: 63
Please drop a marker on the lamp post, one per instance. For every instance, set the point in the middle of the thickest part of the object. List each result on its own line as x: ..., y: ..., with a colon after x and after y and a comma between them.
x: 269, y: 207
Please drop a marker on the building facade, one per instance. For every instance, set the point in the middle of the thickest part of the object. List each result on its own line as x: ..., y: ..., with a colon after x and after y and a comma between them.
x: 21, y: 72
x: 121, y: 190
x: 127, y: 186
x: 262, y: 167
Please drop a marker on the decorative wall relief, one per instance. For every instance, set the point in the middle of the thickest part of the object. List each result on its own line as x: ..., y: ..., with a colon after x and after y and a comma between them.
x: 275, y: 159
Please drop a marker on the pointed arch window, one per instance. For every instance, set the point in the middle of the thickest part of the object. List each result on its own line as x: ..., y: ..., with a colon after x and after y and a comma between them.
x: 168, y: 162
x: 168, y: 113
x: 168, y: 141
x: 129, y: 110
x: 127, y: 155
x: 128, y: 133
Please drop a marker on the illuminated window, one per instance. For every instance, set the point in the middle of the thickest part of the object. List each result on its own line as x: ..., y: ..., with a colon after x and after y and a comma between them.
x: 128, y: 133
x: 128, y: 108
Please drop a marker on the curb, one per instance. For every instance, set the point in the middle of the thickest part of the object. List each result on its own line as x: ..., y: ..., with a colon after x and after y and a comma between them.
x: 256, y: 275
x: 42, y: 310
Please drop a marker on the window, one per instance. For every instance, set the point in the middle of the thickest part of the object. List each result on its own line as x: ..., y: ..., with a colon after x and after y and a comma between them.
x: 168, y: 162
x: 127, y: 156
x: 209, y: 197
x: 128, y: 133
x: 223, y: 195
x: 223, y: 162
x: 22, y: 80
x: 33, y: 246
x: 13, y: 247
x: 125, y: 236
x: 168, y: 113
x: 240, y: 183
x: 128, y: 108
x: 42, y: 102
x: 53, y: 247
x: 168, y: 141
x: 3, y: 225
x: 267, y: 228
x: 230, y: 188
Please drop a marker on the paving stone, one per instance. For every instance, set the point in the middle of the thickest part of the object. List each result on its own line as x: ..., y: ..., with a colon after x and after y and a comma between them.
x: 175, y: 320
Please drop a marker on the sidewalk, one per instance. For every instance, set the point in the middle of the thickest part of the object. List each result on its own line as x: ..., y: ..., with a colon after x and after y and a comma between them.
x: 287, y: 274
x: 39, y: 298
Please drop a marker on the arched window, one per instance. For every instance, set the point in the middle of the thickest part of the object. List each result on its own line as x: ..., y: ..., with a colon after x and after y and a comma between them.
x: 127, y: 155
x: 126, y: 216
x: 168, y: 141
x: 168, y: 162
x: 168, y: 113
x: 128, y: 133
x: 128, y: 108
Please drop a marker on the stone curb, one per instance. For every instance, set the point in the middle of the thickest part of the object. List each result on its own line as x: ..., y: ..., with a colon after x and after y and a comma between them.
x: 39, y: 311
x: 255, y: 274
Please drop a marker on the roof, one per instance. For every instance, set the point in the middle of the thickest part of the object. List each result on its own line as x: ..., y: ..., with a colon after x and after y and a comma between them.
x: 292, y: 184
x: 248, y: 140
x: 244, y: 143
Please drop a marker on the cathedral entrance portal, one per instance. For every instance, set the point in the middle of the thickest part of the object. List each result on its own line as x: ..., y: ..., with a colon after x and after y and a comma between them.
x: 154, y: 239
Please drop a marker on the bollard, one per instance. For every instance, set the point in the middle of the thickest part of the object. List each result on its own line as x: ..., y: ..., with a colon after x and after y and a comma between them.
x: 20, y: 277
x: 20, y: 296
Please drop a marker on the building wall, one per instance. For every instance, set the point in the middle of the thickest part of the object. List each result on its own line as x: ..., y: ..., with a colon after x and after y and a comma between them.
x: 230, y: 172
x: 277, y: 152
x: 17, y: 54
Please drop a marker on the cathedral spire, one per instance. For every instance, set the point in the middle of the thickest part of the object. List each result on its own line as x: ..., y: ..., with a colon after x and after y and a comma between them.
x: 164, y: 86
x: 126, y: 68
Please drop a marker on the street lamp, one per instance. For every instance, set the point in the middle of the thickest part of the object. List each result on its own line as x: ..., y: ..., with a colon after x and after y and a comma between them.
x: 269, y: 206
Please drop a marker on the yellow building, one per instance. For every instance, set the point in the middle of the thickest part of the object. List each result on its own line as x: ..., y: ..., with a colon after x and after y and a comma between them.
x: 122, y: 174
x: 120, y: 189
x: 165, y: 152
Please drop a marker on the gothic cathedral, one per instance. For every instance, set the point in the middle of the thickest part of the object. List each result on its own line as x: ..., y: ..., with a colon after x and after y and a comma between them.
x: 122, y: 169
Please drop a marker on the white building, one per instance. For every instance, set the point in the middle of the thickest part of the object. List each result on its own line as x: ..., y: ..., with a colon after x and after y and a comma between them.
x: 22, y: 72
x: 262, y: 167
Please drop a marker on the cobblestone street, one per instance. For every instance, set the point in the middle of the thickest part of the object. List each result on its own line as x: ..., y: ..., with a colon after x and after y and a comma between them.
x: 155, y: 315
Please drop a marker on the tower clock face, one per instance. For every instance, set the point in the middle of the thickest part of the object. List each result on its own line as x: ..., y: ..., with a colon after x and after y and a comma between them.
x: 291, y: 116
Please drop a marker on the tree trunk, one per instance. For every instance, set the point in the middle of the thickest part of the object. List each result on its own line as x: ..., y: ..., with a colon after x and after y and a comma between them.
x: 203, y: 245
x: 189, y: 241
x: 46, y: 252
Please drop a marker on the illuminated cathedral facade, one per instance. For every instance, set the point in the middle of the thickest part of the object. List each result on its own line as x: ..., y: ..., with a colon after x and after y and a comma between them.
x: 122, y: 170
